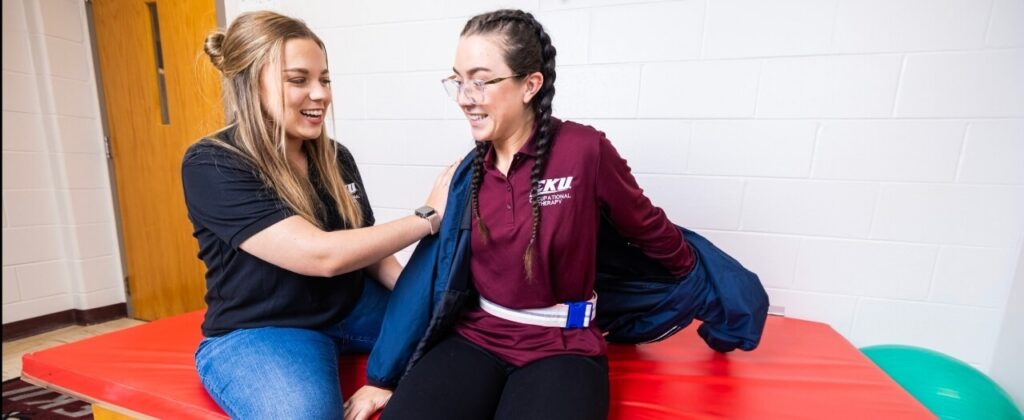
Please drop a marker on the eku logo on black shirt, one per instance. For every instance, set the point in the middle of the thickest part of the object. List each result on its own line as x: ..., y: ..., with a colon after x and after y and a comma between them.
x: 353, y: 189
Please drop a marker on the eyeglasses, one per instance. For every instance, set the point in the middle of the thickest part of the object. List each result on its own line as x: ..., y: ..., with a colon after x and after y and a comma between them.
x: 474, y: 90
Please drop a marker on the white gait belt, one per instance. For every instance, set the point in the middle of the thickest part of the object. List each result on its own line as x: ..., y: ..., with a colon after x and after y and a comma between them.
x: 570, y: 315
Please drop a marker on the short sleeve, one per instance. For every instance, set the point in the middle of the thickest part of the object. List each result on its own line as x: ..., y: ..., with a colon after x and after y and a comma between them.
x: 350, y: 171
x: 224, y: 195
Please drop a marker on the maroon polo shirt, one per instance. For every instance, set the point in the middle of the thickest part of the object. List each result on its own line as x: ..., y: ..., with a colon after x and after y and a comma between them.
x: 585, y: 177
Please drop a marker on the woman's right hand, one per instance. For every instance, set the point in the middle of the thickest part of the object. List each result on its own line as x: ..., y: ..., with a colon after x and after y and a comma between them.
x: 366, y: 402
x: 438, y: 197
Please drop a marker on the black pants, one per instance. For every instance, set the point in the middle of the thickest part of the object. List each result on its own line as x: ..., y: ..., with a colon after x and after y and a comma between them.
x: 459, y: 380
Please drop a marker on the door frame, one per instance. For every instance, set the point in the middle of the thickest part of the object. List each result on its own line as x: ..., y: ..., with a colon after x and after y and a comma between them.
x: 104, y: 116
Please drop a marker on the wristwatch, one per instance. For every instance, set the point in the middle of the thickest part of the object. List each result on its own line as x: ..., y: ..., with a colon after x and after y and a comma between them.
x: 430, y: 215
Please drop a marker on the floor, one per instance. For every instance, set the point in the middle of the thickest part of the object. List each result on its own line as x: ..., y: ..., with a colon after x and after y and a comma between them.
x: 12, y: 350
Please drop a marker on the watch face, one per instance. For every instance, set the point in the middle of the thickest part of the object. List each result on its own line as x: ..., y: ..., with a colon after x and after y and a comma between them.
x: 425, y: 212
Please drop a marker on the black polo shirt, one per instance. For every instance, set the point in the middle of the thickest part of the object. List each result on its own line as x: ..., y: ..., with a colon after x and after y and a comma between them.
x: 228, y: 203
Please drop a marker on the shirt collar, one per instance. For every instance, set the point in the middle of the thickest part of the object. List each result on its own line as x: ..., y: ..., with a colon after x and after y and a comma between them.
x: 529, y: 148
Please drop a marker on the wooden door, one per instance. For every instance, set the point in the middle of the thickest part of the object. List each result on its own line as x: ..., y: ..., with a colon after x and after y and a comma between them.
x: 161, y: 94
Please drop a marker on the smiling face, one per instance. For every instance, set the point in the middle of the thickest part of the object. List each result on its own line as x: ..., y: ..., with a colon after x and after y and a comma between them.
x: 504, y: 111
x: 297, y: 91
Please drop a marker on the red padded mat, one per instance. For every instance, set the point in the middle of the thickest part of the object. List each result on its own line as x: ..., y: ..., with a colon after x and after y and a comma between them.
x: 801, y: 370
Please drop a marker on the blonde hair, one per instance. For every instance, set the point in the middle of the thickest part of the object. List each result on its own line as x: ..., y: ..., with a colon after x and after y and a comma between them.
x: 253, y: 41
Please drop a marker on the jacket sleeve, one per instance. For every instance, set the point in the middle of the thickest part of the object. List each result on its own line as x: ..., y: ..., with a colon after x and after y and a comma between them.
x: 413, y: 301
x: 405, y: 318
x: 635, y: 217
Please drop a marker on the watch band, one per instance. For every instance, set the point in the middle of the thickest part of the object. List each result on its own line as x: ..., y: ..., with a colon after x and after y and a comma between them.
x: 430, y: 215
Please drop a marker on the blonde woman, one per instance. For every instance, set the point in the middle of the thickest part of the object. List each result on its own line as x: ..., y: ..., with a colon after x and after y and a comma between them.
x: 285, y: 229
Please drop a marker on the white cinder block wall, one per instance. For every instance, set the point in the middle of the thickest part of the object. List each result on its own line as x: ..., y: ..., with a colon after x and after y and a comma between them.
x: 865, y: 157
x: 1006, y: 366
x: 60, y: 247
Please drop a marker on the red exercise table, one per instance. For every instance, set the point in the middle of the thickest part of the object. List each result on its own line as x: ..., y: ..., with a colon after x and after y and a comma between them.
x: 802, y: 369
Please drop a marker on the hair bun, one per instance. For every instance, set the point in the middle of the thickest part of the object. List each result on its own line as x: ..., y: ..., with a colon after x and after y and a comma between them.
x: 212, y: 46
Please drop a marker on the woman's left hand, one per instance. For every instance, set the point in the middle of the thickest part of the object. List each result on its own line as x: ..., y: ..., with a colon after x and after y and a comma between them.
x: 365, y: 402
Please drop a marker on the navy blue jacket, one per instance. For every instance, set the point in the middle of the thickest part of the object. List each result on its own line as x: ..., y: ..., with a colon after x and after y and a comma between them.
x: 639, y: 301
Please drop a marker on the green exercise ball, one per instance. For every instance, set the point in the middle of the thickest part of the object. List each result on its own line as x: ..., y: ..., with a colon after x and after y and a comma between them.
x: 951, y: 389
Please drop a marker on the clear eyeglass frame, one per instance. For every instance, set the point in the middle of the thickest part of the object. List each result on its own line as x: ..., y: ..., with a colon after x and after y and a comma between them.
x: 475, y: 91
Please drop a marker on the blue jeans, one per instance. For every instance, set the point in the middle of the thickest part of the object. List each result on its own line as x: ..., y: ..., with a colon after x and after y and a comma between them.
x: 278, y: 373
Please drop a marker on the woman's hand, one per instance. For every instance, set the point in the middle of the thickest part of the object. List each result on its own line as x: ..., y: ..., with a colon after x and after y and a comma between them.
x: 438, y: 197
x: 366, y: 401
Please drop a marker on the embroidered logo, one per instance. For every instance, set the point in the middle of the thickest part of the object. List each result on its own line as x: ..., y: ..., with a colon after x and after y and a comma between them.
x: 353, y: 189
x: 554, y: 191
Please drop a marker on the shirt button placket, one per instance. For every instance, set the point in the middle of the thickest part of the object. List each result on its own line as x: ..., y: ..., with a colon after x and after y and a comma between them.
x: 509, y: 201
x: 510, y: 197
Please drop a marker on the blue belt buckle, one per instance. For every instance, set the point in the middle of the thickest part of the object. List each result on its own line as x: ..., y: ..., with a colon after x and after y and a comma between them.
x: 578, y: 315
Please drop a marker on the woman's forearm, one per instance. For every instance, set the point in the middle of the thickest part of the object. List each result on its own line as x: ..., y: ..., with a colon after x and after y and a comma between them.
x: 297, y: 245
x: 386, y: 271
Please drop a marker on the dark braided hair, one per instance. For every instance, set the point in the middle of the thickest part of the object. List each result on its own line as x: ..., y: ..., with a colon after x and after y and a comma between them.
x: 528, y: 49
x: 478, y: 161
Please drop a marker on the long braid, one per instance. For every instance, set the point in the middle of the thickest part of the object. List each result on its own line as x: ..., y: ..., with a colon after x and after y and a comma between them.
x: 542, y: 107
x: 478, y: 164
x: 528, y: 49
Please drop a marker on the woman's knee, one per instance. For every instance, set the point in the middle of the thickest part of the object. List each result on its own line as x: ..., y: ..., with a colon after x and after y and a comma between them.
x: 268, y: 372
x: 557, y: 387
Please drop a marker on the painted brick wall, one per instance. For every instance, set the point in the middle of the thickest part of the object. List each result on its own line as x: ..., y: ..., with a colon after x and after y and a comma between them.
x: 865, y: 157
x: 59, y: 240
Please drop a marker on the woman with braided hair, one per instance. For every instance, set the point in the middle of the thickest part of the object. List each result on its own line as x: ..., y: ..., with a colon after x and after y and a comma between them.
x: 540, y: 188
